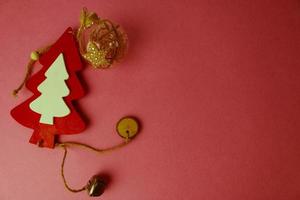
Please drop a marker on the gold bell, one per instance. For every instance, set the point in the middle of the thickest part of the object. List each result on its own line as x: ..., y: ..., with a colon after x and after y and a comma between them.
x: 96, y: 186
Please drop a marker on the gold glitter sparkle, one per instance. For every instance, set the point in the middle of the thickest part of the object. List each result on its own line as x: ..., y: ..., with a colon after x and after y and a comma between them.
x: 95, y: 56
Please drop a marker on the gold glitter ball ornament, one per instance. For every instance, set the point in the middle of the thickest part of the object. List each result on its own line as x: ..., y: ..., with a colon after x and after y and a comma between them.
x: 101, y: 42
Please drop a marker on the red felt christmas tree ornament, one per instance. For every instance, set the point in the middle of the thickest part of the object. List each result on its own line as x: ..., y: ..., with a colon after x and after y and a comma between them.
x: 43, y: 111
x: 50, y: 111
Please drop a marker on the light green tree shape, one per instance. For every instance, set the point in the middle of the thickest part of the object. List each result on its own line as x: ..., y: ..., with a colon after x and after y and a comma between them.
x: 50, y: 103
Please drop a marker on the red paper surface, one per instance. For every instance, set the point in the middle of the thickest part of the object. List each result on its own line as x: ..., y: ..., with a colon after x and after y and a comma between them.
x: 215, y: 84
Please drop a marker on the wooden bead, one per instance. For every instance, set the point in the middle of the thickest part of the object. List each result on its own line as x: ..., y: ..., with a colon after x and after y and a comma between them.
x: 128, y: 127
x: 34, y: 55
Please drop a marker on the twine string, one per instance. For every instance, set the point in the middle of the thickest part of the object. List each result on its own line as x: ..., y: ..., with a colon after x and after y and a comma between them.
x: 65, y: 146
x: 63, y: 174
x: 29, y: 68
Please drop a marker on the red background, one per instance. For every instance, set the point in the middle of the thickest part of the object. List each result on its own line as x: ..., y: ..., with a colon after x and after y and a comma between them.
x: 215, y: 83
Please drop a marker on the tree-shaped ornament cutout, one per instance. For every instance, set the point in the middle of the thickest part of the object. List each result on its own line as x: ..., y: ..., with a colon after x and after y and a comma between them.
x: 51, y: 104
x: 50, y: 111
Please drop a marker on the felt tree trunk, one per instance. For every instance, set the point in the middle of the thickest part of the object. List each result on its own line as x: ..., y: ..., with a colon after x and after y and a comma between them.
x: 50, y: 111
